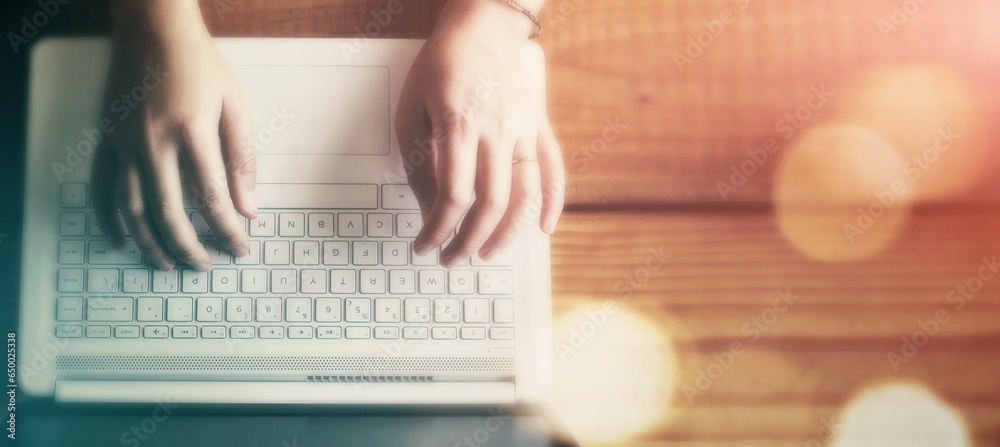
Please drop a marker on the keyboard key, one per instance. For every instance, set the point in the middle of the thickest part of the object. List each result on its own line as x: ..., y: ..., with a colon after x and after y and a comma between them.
x: 298, y: 310
x: 446, y: 310
x: 283, y: 281
x: 193, y: 281
x: 179, y: 308
x: 252, y: 257
x: 350, y: 225
x: 473, y: 333
x: 73, y: 224
x: 504, y: 258
x: 496, y: 282
x: 328, y: 310
x: 126, y: 331
x: 98, y: 331
x: 69, y: 309
x: 418, y: 310
x: 291, y: 224
x: 109, y: 309
x: 95, y: 229
x: 313, y: 281
x: 201, y: 227
x: 415, y: 333
x: 320, y: 225
x: 218, y: 253
x: 387, y: 310
x: 477, y: 310
x: 276, y: 253
x: 328, y: 332
x: 358, y: 332
x: 444, y: 333
x: 343, y: 281
x: 357, y: 310
x: 317, y: 196
x: 269, y: 309
x: 102, y: 280
x: 164, y: 282
x: 238, y: 309
x: 503, y: 310
x: 184, y: 331
x: 149, y: 309
x: 263, y: 225
x: 254, y: 281
x: 386, y: 333
x: 402, y: 282
x: 432, y: 282
x: 306, y: 253
x: 300, y: 332
x: 398, y: 197
x: 224, y: 280
x: 366, y: 253
x: 429, y: 258
x: 460, y: 282
x: 70, y: 280
x: 243, y: 332
x: 394, y: 253
x: 135, y: 280
x: 372, y: 282
x: 335, y: 253
x: 408, y: 225
x: 272, y: 332
x: 213, y: 332
x: 380, y: 225
x: 502, y: 333
x: 101, y: 253
x: 71, y: 252
x: 73, y: 195
x: 154, y: 332
x: 69, y: 331
x: 210, y: 309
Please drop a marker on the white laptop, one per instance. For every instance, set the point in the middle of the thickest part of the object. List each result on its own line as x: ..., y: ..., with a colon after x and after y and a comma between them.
x: 347, y: 316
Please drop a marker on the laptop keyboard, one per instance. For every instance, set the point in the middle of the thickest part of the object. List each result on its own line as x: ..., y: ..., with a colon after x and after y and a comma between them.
x: 310, y: 273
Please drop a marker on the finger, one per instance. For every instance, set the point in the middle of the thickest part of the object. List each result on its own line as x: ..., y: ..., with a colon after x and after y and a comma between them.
x: 236, y: 131
x: 493, y: 177
x: 103, y: 176
x: 134, y: 205
x: 455, y: 180
x: 553, y: 176
x: 163, y: 185
x: 525, y: 199
x: 206, y: 173
x: 417, y: 149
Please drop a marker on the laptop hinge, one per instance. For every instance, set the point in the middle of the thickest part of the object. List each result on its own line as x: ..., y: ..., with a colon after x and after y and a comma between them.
x: 447, y: 393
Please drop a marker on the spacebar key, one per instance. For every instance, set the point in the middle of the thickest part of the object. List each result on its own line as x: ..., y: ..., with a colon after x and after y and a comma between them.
x: 315, y: 195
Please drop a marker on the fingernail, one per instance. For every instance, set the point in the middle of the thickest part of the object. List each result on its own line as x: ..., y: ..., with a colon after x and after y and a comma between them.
x: 202, y: 266
x: 487, y: 254
x: 164, y: 265
x: 421, y: 248
x: 238, y: 251
x: 252, y: 203
x: 549, y: 227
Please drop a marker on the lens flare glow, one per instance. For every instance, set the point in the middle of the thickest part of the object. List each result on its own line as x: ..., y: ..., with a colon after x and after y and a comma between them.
x: 841, y: 193
x: 614, y: 373
x: 900, y: 415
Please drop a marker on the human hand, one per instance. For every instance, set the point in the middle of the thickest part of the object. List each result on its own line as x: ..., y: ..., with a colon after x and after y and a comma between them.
x: 175, y: 103
x: 473, y: 96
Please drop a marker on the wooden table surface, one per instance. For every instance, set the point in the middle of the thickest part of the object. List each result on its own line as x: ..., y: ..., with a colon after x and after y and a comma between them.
x: 647, y: 141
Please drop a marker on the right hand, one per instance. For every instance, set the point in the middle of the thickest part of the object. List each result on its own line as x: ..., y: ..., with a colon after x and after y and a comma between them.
x: 173, y: 101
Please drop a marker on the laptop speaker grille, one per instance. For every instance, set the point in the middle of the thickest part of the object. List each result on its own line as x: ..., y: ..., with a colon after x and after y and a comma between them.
x: 123, y: 363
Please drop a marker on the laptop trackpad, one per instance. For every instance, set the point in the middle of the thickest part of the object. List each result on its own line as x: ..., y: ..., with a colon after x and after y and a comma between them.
x: 318, y: 110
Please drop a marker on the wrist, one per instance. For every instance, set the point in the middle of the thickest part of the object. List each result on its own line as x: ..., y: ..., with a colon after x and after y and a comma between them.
x: 492, y: 16
x: 155, y: 19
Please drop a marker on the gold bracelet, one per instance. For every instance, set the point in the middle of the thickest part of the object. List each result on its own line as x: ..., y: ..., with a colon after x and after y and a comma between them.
x: 538, y: 25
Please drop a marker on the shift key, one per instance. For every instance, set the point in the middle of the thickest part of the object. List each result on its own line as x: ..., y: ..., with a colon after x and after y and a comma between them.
x: 109, y: 309
x: 102, y: 253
